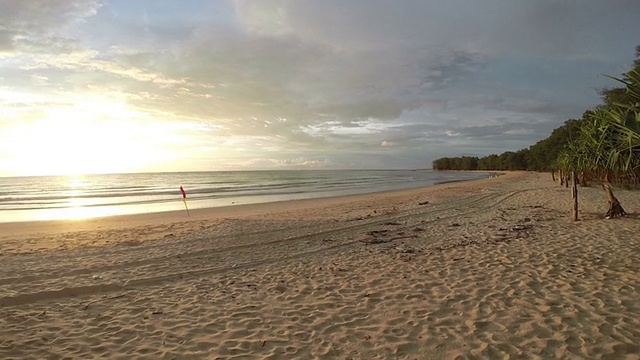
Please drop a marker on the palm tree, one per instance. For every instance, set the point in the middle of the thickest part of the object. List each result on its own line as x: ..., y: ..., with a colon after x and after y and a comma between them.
x: 608, y: 145
x: 625, y: 121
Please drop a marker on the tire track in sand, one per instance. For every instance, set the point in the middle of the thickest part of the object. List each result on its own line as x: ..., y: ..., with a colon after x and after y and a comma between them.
x: 279, y: 250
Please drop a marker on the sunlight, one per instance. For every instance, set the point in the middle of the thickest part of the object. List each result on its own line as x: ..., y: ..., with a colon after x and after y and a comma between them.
x: 76, y: 184
x: 76, y: 181
x: 95, y: 137
x: 74, y: 213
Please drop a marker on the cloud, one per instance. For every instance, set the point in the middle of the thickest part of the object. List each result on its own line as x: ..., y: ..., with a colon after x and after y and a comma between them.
x: 24, y: 22
x: 322, y: 83
x: 257, y: 71
x: 300, y: 162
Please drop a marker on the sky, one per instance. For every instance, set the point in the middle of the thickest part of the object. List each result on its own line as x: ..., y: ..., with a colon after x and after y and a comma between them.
x: 106, y: 86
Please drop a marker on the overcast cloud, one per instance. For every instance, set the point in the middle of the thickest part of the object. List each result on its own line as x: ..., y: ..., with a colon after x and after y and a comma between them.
x: 300, y: 84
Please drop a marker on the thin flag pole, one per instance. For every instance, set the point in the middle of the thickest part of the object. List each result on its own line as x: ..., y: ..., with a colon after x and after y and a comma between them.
x: 184, y: 200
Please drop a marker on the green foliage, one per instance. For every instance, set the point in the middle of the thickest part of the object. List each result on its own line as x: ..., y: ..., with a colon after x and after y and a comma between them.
x: 538, y: 157
x: 458, y: 163
x: 606, y: 141
x: 609, y: 139
x: 544, y: 153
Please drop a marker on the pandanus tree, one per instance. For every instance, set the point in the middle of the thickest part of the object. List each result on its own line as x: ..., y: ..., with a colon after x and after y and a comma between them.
x: 608, y: 144
x: 625, y: 122
x: 583, y: 156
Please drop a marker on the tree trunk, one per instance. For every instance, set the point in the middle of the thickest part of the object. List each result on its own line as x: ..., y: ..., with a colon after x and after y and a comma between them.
x: 553, y: 176
x: 561, y: 178
x: 615, y: 209
x: 583, y: 179
x: 574, y: 195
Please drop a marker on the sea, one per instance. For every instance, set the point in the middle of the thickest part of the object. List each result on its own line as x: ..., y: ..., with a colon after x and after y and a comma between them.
x: 87, y: 196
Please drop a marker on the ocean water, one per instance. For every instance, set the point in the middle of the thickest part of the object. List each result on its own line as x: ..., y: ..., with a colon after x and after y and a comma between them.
x: 85, y: 196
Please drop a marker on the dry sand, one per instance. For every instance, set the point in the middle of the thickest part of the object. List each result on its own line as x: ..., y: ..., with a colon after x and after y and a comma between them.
x: 486, y: 269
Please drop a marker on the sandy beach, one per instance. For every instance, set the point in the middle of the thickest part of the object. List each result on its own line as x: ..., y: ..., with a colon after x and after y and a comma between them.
x: 491, y: 268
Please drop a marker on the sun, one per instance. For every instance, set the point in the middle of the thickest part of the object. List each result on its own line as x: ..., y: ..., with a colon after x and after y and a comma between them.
x: 86, y: 139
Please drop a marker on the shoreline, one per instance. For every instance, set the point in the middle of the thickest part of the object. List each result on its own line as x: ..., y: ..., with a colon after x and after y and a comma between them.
x: 489, y: 268
x: 90, y: 209
x: 8, y: 229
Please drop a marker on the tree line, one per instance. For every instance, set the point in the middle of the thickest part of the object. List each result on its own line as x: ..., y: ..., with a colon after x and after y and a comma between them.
x: 603, y: 146
x: 539, y: 157
x: 605, y: 141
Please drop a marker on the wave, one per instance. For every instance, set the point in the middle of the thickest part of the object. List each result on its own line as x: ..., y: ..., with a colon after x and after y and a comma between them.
x: 160, y: 189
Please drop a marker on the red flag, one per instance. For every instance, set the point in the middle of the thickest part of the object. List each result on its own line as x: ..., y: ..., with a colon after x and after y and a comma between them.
x: 184, y: 199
